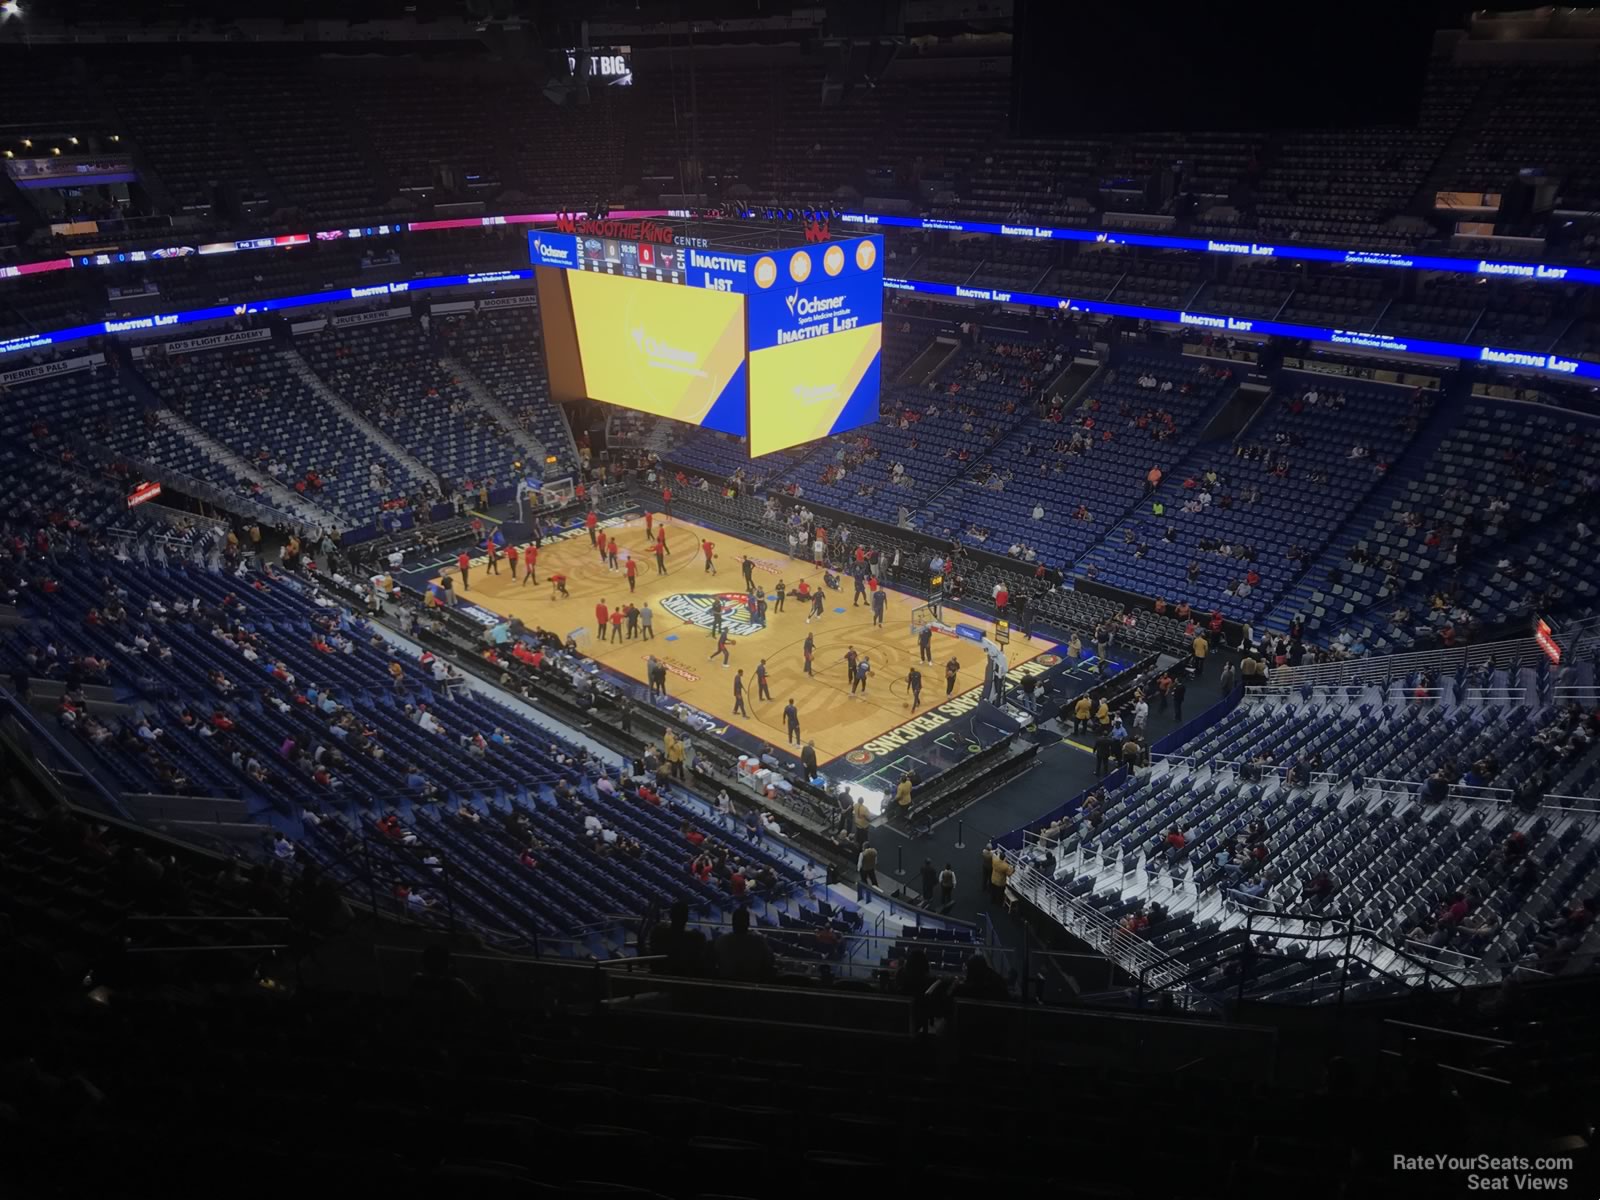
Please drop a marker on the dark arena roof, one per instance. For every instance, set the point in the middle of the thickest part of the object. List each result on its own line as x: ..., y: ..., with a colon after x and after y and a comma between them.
x: 708, y: 600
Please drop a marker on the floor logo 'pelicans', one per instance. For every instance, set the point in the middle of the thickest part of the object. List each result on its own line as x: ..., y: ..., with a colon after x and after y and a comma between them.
x: 695, y: 608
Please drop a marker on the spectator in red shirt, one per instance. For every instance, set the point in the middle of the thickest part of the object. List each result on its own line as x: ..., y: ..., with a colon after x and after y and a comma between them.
x: 691, y: 835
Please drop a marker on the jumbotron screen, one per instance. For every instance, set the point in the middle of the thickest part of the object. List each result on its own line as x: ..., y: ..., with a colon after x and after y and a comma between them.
x: 781, y: 347
x: 815, y: 343
x: 672, y: 351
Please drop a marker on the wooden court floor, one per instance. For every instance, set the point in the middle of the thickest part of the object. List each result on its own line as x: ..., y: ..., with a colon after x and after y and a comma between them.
x: 830, y: 716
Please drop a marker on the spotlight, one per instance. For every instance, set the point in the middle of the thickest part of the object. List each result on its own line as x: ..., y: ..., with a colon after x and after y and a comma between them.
x: 10, y: 9
x: 27, y: 143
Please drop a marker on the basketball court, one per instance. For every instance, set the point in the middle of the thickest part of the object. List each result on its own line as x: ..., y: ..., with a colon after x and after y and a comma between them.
x: 830, y: 716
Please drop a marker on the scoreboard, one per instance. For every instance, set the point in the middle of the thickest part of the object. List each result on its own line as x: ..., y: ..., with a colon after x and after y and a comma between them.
x: 806, y: 330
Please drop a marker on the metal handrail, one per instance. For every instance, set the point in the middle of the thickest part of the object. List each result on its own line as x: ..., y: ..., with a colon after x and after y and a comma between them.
x: 1398, y: 788
x: 1444, y: 658
x: 1129, y: 952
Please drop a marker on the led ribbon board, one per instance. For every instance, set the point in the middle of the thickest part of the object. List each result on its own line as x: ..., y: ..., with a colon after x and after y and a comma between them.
x: 1487, y: 268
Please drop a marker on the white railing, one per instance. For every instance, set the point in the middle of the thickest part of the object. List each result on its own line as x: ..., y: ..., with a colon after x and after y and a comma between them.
x: 1582, y: 638
x: 1128, y: 951
x: 1468, y: 696
x: 1382, y: 787
x: 1387, y: 666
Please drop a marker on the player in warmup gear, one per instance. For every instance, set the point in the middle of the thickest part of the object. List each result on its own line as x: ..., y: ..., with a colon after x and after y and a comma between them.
x: 914, y: 686
x: 707, y: 549
x: 558, y: 584
x: 631, y: 568
x: 851, y: 658
x: 739, y: 709
x: 616, y: 625
x: 492, y: 553
x: 530, y: 563
x: 601, y: 615
x: 762, y: 693
x: 722, y: 647
x: 951, y: 669
x: 591, y: 521
x: 791, y: 721
x: 464, y: 564
x: 660, y: 551
x: 611, y: 553
x: 817, y: 601
x: 863, y: 669
x: 810, y: 649
x: 777, y: 600
x: 925, y: 643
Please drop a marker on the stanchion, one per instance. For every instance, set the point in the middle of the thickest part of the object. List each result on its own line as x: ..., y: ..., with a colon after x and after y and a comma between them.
x: 960, y: 829
x: 899, y: 860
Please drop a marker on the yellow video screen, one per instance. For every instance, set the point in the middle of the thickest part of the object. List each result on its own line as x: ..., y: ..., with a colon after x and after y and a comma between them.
x: 673, y: 351
x: 811, y: 389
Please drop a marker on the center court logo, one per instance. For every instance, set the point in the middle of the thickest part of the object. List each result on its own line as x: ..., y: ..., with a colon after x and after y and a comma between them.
x: 695, y: 608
